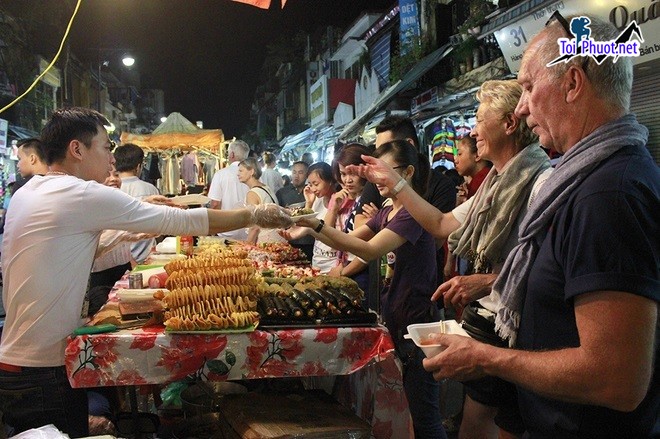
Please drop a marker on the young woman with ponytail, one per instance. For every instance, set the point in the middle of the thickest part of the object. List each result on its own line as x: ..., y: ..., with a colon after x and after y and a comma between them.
x: 406, y: 298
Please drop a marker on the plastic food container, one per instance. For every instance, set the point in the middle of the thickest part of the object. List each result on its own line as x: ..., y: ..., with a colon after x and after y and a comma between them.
x: 137, y: 295
x: 419, y: 333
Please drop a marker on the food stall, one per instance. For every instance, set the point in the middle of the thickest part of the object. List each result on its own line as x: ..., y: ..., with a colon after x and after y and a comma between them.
x: 182, y: 152
x: 229, y: 314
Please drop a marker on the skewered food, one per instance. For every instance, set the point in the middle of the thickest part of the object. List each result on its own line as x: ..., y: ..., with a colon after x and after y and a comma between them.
x: 212, y: 291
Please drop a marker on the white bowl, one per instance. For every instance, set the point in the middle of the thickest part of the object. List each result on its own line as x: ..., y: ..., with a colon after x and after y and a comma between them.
x: 419, y: 333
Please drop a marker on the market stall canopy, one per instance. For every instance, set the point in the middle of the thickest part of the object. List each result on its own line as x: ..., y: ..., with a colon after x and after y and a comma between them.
x: 177, y: 132
x: 300, y: 139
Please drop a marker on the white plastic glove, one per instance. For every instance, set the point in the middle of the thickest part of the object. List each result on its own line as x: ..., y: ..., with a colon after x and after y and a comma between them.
x: 269, y: 216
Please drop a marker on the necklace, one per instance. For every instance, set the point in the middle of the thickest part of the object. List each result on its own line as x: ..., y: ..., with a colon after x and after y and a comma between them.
x: 56, y: 173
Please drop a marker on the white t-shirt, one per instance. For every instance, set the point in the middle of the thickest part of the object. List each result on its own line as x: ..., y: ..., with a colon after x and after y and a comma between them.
x: 139, y: 189
x: 324, y: 257
x: 51, y: 235
x: 272, y: 179
x: 226, y: 188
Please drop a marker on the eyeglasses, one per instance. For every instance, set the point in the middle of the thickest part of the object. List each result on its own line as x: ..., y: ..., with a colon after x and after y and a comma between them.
x: 567, y: 28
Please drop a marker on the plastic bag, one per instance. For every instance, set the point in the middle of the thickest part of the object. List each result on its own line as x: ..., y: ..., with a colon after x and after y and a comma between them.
x: 171, y: 394
x: 46, y: 432
x: 270, y: 216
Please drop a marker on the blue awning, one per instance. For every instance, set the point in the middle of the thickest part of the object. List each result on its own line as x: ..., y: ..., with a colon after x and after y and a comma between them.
x: 324, y: 138
x: 300, y: 139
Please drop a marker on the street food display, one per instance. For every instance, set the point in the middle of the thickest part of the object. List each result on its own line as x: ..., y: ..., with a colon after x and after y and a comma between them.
x: 241, y: 311
x: 236, y: 287
x: 213, y: 291
x: 309, y: 301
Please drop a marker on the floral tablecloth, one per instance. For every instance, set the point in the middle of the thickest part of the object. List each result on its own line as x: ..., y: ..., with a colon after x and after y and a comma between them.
x: 374, y: 387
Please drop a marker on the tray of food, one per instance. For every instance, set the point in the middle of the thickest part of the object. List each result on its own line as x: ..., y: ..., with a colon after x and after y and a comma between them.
x: 313, y: 307
x: 300, y: 213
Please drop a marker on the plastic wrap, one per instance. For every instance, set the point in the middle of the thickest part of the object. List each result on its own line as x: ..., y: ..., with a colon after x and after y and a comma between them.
x: 270, y: 216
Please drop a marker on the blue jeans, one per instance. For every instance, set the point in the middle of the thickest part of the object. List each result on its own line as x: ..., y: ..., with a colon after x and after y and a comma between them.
x: 39, y: 396
x: 423, y: 393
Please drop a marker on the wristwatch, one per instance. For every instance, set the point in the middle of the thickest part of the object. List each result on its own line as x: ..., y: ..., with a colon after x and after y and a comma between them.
x: 318, y: 228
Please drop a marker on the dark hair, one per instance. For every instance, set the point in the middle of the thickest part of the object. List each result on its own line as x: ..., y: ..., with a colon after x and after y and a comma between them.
x: 128, y: 157
x: 307, y: 158
x: 34, y: 145
x: 350, y: 154
x: 300, y: 162
x: 471, y: 142
x: 324, y: 171
x: 67, y: 124
x: 252, y: 164
x: 454, y: 176
x: 286, y: 180
x: 404, y: 154
x: 401, y: 128
x: 269, y: 158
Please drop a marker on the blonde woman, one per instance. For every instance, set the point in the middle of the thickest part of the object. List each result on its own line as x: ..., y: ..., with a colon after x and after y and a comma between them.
x: 249, y: 173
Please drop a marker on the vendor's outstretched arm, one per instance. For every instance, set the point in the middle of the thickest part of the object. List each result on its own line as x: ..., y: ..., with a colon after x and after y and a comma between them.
x: 227, y: 220
x: 269, y: 216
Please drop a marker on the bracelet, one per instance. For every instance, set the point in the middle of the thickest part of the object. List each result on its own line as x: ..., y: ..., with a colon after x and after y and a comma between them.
x: 399, y: 185
x: 318, y: 228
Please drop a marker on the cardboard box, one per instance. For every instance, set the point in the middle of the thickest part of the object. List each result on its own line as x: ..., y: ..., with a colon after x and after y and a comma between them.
x: 306, y: 415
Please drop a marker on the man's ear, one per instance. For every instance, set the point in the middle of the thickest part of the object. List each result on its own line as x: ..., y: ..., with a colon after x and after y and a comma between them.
x: 75, y: 148
x: 574, y: 85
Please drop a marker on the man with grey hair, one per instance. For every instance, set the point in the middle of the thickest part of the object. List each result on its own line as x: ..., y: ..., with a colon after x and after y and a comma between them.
x: 579, y: 294
x: 225, y: 191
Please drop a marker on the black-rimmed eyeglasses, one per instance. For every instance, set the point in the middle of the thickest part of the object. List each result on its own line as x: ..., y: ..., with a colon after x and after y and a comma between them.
x: 567, y: 28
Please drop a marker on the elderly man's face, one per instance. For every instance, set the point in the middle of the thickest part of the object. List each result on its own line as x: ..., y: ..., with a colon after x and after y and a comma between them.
x: 542, y: 102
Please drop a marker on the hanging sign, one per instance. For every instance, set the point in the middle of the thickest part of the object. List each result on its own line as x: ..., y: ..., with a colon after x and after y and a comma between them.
x: 514, y: 38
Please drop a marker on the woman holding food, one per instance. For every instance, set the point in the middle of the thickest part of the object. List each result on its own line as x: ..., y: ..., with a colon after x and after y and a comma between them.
x: 342, y: 209
x: 259, y: 193
x: 407, y: 298
x: 321, y: 184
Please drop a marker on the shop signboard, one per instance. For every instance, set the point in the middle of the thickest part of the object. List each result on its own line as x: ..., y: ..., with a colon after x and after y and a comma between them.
x: 318, y: 102
x: 514, y: 38
x: 409, y: 30
x: 430, y: 96
x: 4, y: 126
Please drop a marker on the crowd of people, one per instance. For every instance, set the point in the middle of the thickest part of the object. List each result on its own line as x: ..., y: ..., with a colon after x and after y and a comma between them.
x: 554, y: 272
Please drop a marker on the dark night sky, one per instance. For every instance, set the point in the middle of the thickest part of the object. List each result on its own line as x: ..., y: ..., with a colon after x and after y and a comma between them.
x: 205, y: 54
